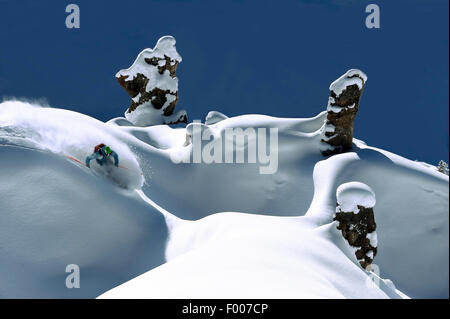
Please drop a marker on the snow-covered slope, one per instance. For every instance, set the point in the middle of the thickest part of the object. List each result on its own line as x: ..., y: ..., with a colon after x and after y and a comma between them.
x: 47, y: 199
x: 235, y: 255
x: 52, y: 214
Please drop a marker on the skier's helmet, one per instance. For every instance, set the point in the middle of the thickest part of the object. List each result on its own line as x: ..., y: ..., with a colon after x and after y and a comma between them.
x: 98, y: 147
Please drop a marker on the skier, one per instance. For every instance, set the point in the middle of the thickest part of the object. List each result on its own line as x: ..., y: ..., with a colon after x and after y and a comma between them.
x: 102, y: 154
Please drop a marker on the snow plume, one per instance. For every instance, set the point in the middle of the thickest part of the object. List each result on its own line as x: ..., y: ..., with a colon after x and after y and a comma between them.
x: 36, y: 102
x: 62, y: 132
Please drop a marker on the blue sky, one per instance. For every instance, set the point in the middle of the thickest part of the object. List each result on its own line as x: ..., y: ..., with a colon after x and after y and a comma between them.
x: 239, y: 57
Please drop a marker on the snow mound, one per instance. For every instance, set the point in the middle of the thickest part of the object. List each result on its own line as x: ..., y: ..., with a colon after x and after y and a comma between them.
x: 214, y: 117
x: 120, y: 121
x: 411, y: 214
x: 226, y: 259
x: 354, y: 194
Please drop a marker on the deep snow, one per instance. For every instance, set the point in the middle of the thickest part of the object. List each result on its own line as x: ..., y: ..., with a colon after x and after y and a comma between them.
x: 54, y: 212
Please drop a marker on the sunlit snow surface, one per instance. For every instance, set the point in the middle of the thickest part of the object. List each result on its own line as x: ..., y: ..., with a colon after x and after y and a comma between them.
x: 206, y: 230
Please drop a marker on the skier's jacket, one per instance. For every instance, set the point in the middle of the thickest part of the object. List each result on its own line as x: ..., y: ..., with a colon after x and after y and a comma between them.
x: 102, y: 154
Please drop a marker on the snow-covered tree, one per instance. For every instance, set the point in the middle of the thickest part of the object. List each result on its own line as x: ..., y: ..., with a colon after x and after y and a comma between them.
x: 343, y: 103
x: 152, y: 84
x: 356, y: 220
x: 443, y: 167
